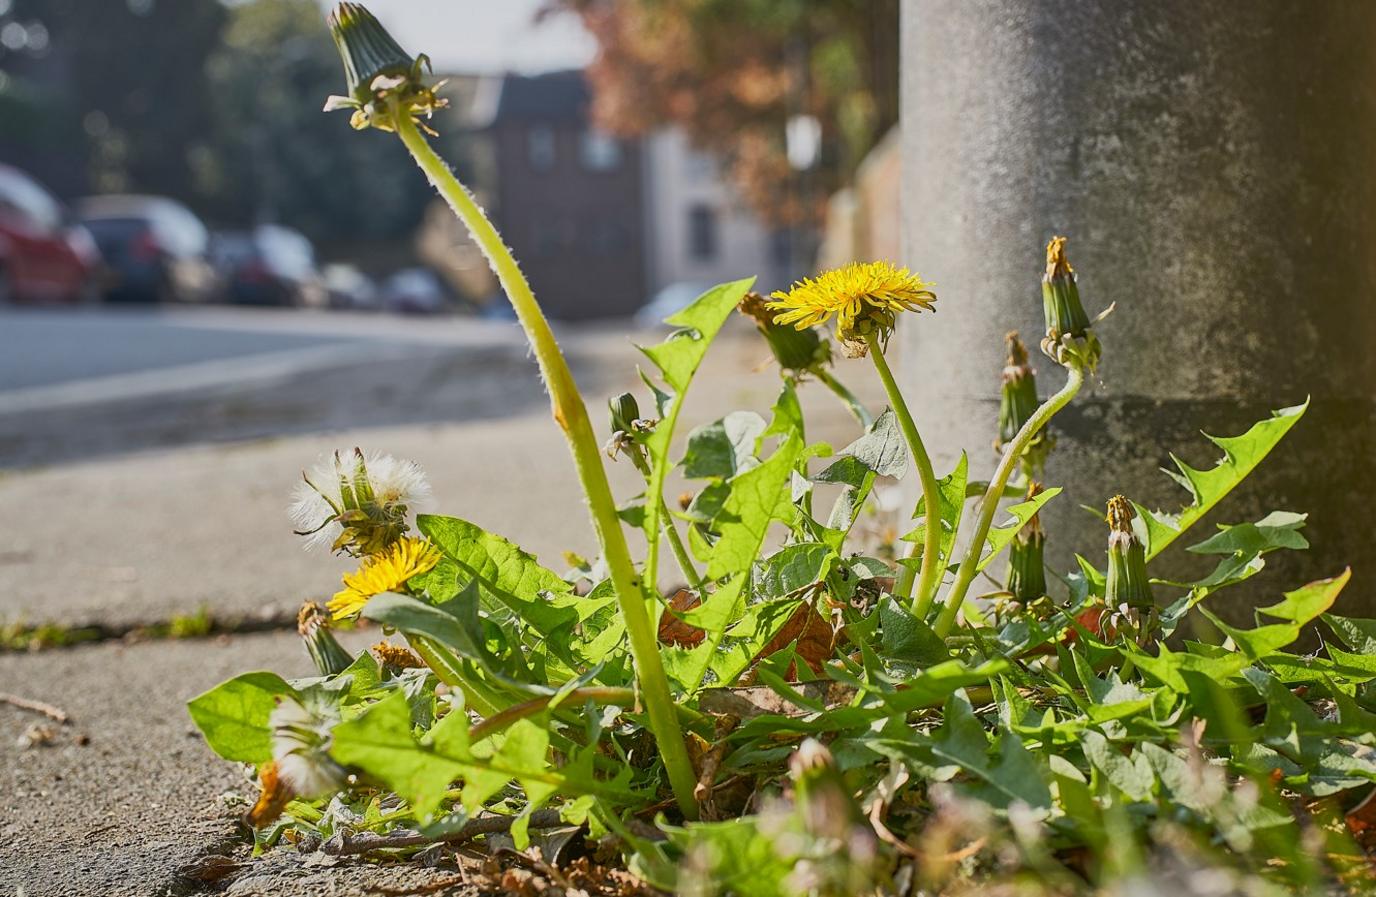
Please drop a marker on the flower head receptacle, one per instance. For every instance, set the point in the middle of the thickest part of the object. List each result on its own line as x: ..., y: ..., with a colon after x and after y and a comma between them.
x: 385, y: 572
x: 796, y: 350
x: 1026, y: 558
x: 1069, y: 338
x: 329, y: 656
x: 1017, y: 403
x: 358, y: 504
x: 1127, y: 583
x: 382, y: 80
x: 864, y: 298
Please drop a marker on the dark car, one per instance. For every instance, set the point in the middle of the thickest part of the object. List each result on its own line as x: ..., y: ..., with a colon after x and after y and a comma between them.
x: 44, y: 255
x: 270, y: 265
x: 155, y: 248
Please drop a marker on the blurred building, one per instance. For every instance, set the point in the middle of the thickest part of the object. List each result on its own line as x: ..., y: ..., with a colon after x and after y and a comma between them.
x: 599, y: 223
x: 700, y: 231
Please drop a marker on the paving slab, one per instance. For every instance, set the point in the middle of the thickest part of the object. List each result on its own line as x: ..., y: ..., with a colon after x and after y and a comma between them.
x: 127, y: 795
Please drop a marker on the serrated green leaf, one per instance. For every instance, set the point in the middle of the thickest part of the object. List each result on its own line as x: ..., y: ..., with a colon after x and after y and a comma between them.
x: 1000, y: 536
x: 792, y: 568
x: 951, y: 492
x: 758, y: 498
x: 1241, y: 455
x: 1129, y: 773
x: 678, y: 356
x: 233, y: 716
x: 1359, y: 635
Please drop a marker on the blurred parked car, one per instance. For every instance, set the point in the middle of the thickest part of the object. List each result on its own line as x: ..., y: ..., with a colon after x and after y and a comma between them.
x: 270, y: 265
x: 349, y: 288
x: 155, y: 247
x: 414, y: 291
x: 44, y: 254
x: 673, y: 298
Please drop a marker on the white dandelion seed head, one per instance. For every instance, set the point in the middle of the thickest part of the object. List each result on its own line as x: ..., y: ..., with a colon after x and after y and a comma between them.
x: 316, y: 497
x: 300, y: 746
x: 397, y: 481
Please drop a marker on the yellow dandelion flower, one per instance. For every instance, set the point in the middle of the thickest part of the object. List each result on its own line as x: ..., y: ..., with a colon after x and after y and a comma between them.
x: 856, y: 294
x: 385, y: 572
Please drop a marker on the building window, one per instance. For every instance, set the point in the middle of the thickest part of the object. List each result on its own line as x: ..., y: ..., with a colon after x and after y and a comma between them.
x: 540, y: 147
x: 702, y: 233
x: 599, y: 151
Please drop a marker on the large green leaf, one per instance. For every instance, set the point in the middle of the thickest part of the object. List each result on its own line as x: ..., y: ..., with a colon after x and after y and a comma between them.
x: 758, y: 498
x: 233, y: 716
x: 724, y: 447
x: 1241, y: 455
x: 677, y: 359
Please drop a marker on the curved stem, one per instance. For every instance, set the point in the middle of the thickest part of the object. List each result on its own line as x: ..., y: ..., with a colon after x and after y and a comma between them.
x: 685, y: 561
x: 861, y: 413
x: 988, y: 505
x: 931, y: 496
x: 572, y: 416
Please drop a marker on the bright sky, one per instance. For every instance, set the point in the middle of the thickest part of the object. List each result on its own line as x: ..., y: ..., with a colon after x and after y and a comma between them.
x: 481, y: 36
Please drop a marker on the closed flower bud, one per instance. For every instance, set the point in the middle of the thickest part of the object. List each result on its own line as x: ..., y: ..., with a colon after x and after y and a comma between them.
x: 1026, y: 558
x: 314, y: 626
x: 382, y: 79
x: 1017, y: 402
x: 1068, y: 334
x: 625, y: 411
x: 1127, y: 582
x: 795, y: 350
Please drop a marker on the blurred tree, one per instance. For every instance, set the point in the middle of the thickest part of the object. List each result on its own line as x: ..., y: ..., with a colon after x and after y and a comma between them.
x: 735, y: 73
x: 274, y: 156
x: 122, y: 77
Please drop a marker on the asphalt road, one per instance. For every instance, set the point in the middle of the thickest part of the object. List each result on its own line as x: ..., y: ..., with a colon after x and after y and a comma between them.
x: 81, y: 384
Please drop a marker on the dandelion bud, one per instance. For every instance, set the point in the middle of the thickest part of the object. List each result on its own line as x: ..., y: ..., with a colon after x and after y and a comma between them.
x: 382, y: 79
x: 824, y: 802
x: 1026, y: 565
x: 314, y: 626
x: 1068, y: 334
x: 795, y: 350
x: 625, y: 411
x: 1127, y: 582
x: 1017, y: 402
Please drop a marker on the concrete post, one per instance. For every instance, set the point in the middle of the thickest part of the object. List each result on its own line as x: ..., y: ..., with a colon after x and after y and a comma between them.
x: 1214, y: 165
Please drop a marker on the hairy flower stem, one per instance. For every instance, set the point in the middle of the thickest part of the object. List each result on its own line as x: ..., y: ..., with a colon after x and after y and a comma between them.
x: 931, y: 496
x: 989, y: 504
x: 861, y: 413
x: 572, y: 416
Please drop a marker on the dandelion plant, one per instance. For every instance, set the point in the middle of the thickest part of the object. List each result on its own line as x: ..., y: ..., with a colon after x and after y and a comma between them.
x: 785, y: 709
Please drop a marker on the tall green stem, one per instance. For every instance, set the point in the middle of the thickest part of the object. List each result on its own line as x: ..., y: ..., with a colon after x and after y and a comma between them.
x: 931, y: 496
x: 862, y: 414
x: 572, y: 416
x: 989, y: 504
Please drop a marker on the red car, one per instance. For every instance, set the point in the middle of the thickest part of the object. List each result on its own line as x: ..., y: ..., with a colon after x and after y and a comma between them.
x: 44, y: 256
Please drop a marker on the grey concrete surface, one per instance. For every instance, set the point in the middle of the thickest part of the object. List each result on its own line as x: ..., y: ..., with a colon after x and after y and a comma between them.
x: 1211, y: 164
x: 144, y: 799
